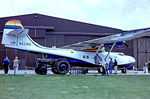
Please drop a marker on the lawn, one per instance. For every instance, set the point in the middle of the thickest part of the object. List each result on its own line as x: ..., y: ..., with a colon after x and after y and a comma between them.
x: 74, y: 87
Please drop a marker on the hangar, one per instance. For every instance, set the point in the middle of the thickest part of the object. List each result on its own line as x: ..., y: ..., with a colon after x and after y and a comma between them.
x: 52, y: 31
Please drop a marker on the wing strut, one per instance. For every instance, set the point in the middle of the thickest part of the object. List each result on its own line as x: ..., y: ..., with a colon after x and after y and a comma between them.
x: 98, y: 49
x: 97, y: 58
x: 110, y: 51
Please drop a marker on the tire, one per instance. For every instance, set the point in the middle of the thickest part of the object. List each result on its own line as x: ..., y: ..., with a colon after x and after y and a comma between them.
x: 83, y: 71
x: 37, y: 70
x: 100, y: 70
x: 87, y: 70
x: 54, y: 71
x: 62, y: 67
x: 43, y: 71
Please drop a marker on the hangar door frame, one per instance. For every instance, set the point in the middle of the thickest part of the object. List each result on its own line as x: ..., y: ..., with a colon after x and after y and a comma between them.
x: 142, y: 51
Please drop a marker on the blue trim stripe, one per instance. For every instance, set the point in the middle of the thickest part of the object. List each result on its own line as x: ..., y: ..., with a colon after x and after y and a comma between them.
x: 37, y: 45
x: 129, y: 66
x: 12, y: 27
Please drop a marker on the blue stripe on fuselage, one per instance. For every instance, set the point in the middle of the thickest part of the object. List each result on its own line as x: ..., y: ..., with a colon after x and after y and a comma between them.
x: 70, y: 60
x: 128, y: 66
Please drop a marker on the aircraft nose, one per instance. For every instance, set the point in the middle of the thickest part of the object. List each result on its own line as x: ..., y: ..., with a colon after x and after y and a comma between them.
x: 131, y: 59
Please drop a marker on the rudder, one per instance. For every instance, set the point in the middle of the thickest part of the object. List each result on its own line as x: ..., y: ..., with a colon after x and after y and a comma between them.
x: 12, y: 29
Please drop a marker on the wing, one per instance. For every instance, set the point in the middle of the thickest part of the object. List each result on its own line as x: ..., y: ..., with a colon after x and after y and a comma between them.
x: 94, y: 43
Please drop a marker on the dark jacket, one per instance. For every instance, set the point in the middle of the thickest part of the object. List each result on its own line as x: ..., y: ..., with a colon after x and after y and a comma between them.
x: 115, y: 63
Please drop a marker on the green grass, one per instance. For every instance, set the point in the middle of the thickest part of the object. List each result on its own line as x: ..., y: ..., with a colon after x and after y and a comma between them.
x: 74, y: 87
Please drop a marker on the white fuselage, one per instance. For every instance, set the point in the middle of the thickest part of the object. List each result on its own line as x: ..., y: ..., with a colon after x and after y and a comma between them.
x: 24, y: 42
x: 81, y: 55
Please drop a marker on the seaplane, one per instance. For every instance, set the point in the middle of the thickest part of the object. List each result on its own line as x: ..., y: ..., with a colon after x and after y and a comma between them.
x: 90, y: 53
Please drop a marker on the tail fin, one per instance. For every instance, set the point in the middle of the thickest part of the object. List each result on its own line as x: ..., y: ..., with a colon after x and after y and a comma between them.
x: 13, y: 24
x: 15, y: 36
x: 9, y: 36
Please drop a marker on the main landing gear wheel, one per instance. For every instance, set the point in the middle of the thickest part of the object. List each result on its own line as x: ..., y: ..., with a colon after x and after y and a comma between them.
x: 62, y: 67
x: 43, y: 71
x: 54, y: 71
x: 102, y: 70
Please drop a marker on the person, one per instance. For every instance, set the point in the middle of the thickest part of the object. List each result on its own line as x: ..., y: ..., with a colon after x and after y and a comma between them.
x: 16, y: 65
x: 106, y: 66
x: 144, y: 68
x: 103, y: 71
x: 115, y: 66
x: 6, y: 63
x: 147, y: 68
x: 111, y: 63
x: 134, y: 68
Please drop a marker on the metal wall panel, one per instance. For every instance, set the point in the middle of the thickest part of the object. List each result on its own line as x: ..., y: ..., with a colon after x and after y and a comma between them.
x: 141, y: 60
x: 54, y: 40
x: 142, y: 45
x: 31, y: 59
x: 143, y: 51
x: 22, y: 57
x: 148, y: 45
x: 148, y: 56
x: 40, y: 41
x: 32, y: 32
x: 71, y: 39
x: 40, y: 32
x: 2, y: 55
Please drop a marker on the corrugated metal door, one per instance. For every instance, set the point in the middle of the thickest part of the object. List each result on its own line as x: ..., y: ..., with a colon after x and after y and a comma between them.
x: 143, y: 51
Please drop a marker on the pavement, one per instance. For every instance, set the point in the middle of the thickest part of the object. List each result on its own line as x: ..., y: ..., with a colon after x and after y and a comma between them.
x: 91, y: 72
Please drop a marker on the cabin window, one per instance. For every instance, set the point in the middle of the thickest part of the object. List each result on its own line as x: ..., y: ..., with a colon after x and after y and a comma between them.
x: 85, y: 57
x: 121, y: 54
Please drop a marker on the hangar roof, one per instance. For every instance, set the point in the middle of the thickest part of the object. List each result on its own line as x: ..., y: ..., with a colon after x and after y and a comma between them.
x: 59, y: 24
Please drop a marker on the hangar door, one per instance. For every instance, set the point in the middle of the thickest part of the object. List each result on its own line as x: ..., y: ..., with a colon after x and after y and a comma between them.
x: 143, y: 53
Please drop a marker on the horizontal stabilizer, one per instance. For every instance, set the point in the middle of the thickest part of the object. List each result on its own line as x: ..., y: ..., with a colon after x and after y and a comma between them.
x: 10, y: 36
x: 18, y: 32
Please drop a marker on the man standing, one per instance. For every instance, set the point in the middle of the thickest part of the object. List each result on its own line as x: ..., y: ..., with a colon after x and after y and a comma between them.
x: 106, y: 66
x: 16, y: 65
x: 6, y: 63
x: 110, y: 65
x: 115, y: 66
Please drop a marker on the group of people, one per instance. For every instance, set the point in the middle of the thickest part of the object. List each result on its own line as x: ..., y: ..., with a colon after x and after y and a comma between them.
x: 6, y: 64
x: 109, y: 67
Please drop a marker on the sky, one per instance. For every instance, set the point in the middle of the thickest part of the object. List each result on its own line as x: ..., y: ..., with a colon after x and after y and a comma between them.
x: 121, y: 14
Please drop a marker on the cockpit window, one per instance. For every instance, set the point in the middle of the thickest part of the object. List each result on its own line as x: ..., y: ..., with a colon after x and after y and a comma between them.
x: 121, y: 54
